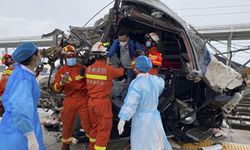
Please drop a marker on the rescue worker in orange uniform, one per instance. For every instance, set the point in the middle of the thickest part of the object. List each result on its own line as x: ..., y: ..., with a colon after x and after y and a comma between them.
x: 7, y: 61
x: 99, y: 84
x: 156, y: 59
x: 153, y: 53
x: 70, y: 78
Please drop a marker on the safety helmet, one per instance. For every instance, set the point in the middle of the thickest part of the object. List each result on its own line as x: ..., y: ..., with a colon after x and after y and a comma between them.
x: 99, y: 49
x: 69, y: 51
x: 6, y: 56
x: 154, y: 36
x: 156, y: 58
x: 7, y: 60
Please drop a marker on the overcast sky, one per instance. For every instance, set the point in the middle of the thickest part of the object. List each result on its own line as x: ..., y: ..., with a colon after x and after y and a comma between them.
x: 33, y: 17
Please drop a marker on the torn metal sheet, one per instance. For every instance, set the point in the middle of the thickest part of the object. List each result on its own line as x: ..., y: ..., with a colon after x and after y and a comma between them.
x: 219, y: 75
x: 222, y: 76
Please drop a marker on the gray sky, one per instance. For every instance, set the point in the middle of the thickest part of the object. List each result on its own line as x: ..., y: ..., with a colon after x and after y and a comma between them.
x: 33, y: 17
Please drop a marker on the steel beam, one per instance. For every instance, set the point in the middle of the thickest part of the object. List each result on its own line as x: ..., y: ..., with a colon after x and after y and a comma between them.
x: 240, y: 32
x: 13, y: 42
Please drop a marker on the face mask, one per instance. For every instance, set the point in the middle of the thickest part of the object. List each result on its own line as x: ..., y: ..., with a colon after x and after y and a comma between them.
x: 71, y: 61
x: 148, y: 43
x: 122, y: 44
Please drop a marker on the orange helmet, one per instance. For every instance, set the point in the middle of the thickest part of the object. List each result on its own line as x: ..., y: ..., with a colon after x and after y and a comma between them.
x: 69, y: 51
x: 156, y: 58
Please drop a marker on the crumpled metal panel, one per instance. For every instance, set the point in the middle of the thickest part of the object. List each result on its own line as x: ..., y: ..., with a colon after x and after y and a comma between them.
x: 161, y: 6
x: 221, y: 76
x: 198, y: 45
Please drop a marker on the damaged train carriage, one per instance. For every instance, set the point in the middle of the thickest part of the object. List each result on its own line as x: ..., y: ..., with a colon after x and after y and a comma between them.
x: 198, y: 86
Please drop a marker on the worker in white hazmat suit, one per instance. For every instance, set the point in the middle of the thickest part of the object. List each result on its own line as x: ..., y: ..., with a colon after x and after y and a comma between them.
x: 140, y: 104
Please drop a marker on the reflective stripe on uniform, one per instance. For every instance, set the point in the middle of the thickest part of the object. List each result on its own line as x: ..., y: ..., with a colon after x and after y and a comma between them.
x: 97, y: 77
x: 153, y: 56
x: 133, y: 63
x: 55, y: 87
x: 92, y: 140
x: 99, y: 148
x: 79, y: 77
x: 8, y: 72
x: 157, y: 62
x: 67, y: 140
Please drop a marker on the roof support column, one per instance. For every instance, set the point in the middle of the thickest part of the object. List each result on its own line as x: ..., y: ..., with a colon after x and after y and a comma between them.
x: 229, y: 44
x: 6, y: 50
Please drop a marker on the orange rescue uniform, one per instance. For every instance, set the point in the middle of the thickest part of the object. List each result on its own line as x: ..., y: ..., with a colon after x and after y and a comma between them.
x: 75, y: 100
x: 153, y: 71
x: 99, y: 84
x: 152, y: 49
x: 155, y: 61
x: 5, y: 76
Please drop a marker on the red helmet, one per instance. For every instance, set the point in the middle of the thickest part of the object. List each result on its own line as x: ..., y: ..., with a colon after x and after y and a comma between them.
x: 6, y: 56
x: 69, y: 51
x: 156, y: 58
x: 7, y: 60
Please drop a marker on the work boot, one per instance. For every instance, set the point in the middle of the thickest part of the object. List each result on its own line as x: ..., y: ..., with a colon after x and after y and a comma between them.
x: 65, y: 146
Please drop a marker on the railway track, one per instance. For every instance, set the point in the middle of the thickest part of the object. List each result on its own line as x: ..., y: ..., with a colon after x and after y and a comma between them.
x: 241, y: 117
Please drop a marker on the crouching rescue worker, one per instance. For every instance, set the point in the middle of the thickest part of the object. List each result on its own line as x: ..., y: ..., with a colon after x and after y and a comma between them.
x: 99, y: 84
x: 140, y: 104
x: 20, y: 128
x: 153, y: 53
x: 70, y: 78
x: 7, y: 61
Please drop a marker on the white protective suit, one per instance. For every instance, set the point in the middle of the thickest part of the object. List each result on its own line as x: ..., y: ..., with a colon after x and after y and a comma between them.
x: 140, y: 104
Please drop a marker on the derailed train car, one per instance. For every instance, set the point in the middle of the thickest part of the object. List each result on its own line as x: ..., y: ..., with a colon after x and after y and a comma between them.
x: 199, y: 89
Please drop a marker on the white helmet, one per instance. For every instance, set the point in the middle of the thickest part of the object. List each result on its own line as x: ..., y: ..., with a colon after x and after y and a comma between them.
x: 154, y: 36
x: 98, y: 48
